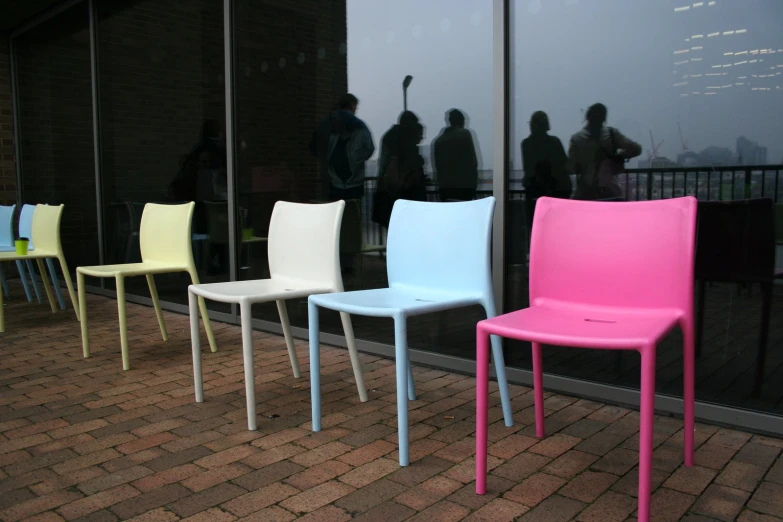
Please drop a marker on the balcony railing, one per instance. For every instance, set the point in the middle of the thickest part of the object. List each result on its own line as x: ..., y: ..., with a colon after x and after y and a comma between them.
x: 705, y: 183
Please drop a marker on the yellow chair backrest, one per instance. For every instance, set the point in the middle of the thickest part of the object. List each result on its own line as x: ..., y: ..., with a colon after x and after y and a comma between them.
x: 165, y: 234
x: 46, y: 229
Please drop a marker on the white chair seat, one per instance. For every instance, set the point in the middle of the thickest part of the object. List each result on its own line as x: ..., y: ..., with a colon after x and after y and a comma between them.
x: 257, y: 291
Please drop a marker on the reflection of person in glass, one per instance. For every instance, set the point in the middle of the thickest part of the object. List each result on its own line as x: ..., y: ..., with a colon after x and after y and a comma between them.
x: 455, y: 160
x: 343, y: 143
x: 544, y: 161
x: 400, y: 167
x: 597, y: 154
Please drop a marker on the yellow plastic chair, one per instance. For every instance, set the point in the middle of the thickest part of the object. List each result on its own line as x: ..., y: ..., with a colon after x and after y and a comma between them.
x: 46, y: 238
x: 165, y: 244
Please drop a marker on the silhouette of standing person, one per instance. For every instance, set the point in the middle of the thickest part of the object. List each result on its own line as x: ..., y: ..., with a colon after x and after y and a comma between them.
x: 343, y: 144
x: 455, y: 160
x: 597, y: 154
x: 400, y: 167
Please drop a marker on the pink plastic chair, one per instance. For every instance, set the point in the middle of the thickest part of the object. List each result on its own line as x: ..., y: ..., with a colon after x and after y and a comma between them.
x: 615, y: 276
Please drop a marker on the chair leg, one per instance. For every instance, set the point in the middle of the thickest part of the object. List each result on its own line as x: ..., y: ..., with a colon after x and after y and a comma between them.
x: 55, y: 283
x: 204, y: 315
x: 246, y: 318
x: 4, y: 282
x: 195, y: 344
x: 47, y: 288
x: 538, y: 389
x: 353, y: 352
x: 2, y: 306
x: 411, y: 382
x: 700, y: 298
x: 647, y: 418
x: 33, y: 279
x: 123, y: 322
x: 766, y: 294
x: 689, y: 391
x: 482, y: 392
x: 315, y: 364
x: 83, y: 313
x: 402, y: 360
x: 23, y: 277
x: 156, y: 304
x: 68, y: 284
x: 289, y: 337
x: 500, y: 369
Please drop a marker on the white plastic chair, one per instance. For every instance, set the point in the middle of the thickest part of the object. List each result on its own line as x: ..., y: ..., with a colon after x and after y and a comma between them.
x: 304, y: 259
x: 7, y: 245
x: 46, y: 235
x: 26, y: 230
x: 165, y: 244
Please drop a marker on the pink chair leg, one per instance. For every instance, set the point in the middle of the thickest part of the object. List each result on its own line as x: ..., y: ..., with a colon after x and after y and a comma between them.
x: 689, y: 394
x: 482, y: 392
x: 647, y: 419
x: 538, y: 388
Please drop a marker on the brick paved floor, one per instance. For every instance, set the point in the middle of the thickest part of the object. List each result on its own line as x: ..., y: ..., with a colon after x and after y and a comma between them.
x: 82, y: 440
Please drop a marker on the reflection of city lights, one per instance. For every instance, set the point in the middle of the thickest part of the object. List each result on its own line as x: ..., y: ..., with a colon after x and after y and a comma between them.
x: 706, y: 93
x: 713, y: 34
x: 698, y: 4
x: 695, y: 92
x: 742, y: 77
x: 740, y: 31
x: 714, y: 74
x: 716, y: 66
x: 712, y: 4
x: 681, y: 9
x: 726, y: 86
x: 753, y: 61
x: 740, y: 83
x: 696, y: 59
x: 741, y: 52
x: 697, y: 36
x: 728, y: 54
x: 728, y: 33
x: 697, y: 48
x: 743, y: 62
x: 681, y: 51
x: 680, y: 84
x: 681, y: 63
x: 683, y: 94
x: 696, y: 75
x: 716, y: 88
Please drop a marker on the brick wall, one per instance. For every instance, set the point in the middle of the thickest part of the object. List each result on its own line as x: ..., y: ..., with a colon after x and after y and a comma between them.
x: 7, y: 169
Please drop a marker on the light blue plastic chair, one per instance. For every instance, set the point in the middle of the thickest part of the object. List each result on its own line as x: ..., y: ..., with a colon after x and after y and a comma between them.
x: 7, y: 245
x: 26, y: 230
x: 438, y: 258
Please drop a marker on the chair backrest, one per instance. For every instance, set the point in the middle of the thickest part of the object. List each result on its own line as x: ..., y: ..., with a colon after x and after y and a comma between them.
x: 26, y: 224
x: 46, y: 229
x: 304, y: 240
x: 164, y: 234
x: 638, y: 255
x: 441, y: 246
x: 736, y: 240
x: 7, y: 225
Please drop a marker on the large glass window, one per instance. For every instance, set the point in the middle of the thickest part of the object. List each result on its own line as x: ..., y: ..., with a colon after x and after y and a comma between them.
x: 691, y: 90
x: 162, y: 96
x: 301, y: 138
x: 55, y: 127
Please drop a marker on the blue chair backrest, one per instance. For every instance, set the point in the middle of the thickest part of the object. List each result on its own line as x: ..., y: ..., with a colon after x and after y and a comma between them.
x: 26, y: 224
x: 7, y: 225
x: 441, y: 246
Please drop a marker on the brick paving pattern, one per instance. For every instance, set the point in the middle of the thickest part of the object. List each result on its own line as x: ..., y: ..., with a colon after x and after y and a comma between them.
x: 83, y: 440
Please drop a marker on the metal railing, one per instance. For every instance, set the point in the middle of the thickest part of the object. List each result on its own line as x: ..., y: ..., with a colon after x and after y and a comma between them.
x: 711, y: 183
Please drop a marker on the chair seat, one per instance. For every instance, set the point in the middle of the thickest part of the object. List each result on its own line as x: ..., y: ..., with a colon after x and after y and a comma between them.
x: 257, y: 291
x: 584, y: 327
x: 130, y: 269
x: 388, y: 302
x: 11, y: 255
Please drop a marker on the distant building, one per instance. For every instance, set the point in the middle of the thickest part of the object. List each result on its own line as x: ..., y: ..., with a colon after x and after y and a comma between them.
x: 717, y: 156
x: 750, y: 153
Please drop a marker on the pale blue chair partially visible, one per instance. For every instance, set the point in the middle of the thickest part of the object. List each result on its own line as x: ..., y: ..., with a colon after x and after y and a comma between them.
x: 26, y: 230
x: 438, y: 258
x: 7, y: 245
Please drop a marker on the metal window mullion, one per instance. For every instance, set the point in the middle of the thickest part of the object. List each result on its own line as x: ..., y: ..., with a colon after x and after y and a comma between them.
x: 16, y: 133
x: 500, y: 175
x: 96, y: 128
x: 231, y: 175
